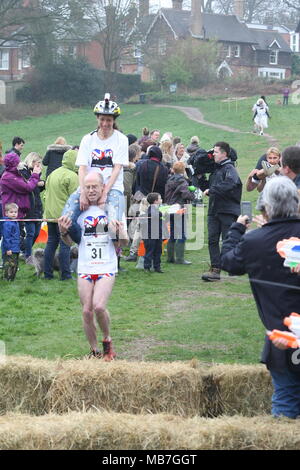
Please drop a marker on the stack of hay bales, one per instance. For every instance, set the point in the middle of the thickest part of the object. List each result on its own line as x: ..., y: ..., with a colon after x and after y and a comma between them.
x: 90, y: 404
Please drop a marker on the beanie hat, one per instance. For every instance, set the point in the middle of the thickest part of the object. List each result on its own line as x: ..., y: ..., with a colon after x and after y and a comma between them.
x: 131, y: 139
x: 155, y: 152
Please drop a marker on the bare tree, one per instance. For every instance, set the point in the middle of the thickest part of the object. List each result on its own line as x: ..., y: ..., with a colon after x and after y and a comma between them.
x: 293, y: 4
x: 112, y: 22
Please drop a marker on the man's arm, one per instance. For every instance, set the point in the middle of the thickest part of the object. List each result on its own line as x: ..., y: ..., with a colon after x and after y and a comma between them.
x: 64, y: 223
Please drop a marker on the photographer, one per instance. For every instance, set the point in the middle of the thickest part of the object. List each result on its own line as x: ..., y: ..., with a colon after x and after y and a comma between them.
x: 224, y: 192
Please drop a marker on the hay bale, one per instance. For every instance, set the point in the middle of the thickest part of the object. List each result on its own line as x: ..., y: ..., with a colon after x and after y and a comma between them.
x: 24, y: 384
x: 113, y: 431
x: 244, y: 390
x: 129, y: 387
x: 37, y: 386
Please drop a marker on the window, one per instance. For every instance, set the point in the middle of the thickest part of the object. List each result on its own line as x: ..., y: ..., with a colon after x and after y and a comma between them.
x: 4, y: 60
x: 72, y: 51
x: 274, y: 57
x: 294, y: 42
x: 25, y: 59
x: 137, y: 53
x: 162, y: 47
x: 226, y: 50
x: 237, y: 50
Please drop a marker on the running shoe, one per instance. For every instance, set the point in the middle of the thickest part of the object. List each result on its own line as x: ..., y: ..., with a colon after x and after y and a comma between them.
x: 108, y: 352
x: 95, y: 353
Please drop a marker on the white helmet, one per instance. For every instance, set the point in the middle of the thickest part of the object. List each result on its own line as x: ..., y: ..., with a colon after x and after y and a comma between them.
x: 107, y: 107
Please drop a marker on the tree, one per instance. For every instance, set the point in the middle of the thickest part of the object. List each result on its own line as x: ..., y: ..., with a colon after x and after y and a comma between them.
x: 191, y: 62
x: 40, y: 23
x: 262, y: 11
x: 114, y: 21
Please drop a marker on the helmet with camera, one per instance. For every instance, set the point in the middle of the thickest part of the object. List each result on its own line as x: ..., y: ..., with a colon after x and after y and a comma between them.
x: 107, y: 107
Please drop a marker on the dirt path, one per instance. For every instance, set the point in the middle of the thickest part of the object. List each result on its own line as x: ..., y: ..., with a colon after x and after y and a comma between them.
x: 195, y: 115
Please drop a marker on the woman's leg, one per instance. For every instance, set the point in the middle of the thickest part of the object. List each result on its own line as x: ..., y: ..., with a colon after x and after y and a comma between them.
x: 30, y: 231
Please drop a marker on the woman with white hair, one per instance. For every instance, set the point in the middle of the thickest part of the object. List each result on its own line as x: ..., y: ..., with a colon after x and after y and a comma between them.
x: 260, y: 117
x: 275, y: 288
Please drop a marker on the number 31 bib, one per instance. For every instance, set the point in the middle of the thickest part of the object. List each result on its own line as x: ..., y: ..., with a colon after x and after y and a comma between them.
x: 97, y: 249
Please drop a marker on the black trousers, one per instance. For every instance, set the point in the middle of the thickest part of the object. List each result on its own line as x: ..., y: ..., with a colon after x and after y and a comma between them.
x: 217, y: 225
x: 153, y: 253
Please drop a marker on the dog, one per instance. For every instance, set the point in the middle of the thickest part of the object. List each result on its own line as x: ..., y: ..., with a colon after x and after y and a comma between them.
x: 38, y: 260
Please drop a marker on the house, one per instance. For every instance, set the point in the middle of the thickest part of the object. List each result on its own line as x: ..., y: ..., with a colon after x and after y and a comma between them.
x: 14, y: 60
x: 243, y: 49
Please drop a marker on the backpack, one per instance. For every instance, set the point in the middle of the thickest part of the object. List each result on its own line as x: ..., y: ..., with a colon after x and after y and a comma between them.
x: 203, y: 162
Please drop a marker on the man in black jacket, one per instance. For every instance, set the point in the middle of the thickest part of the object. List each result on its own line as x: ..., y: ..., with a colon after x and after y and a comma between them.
x: 275, y: 288
x: 225, y: 192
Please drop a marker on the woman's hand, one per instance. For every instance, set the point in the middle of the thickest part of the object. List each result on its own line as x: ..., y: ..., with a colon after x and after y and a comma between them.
x: 244, y: 220
x: 83, y: 201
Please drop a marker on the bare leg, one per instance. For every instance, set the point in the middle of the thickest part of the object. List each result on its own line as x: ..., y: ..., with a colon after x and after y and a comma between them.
x: 102, y: 291
x: 85, y: 290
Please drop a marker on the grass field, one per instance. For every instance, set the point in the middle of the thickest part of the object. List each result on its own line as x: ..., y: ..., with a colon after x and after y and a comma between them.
x: 173, y: 316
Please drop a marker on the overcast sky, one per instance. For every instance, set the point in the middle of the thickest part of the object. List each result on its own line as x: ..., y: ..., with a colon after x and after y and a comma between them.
x: 163, y: 3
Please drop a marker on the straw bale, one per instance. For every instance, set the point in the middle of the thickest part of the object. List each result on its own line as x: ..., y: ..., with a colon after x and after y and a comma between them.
x: 242, y: 389
x: 24, y: 383
x: 37, y: 386
x: 114, y: 431
x: 133, y: 387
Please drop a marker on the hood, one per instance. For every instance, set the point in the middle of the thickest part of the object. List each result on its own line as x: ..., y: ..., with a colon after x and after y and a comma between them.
x: 174, y: 180
x: 155, y: 152
x: 59, y: 148
x: 11, y: 161
x: 69, y: 160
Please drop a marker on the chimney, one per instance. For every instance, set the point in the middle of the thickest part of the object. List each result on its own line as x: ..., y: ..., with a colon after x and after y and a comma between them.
x: 239, y: 9
x: 177, y: 4
x: 196, y: 22
x: 143, y: 8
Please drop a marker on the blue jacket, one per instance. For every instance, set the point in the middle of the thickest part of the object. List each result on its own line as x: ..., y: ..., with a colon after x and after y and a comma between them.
x: 10, y: 236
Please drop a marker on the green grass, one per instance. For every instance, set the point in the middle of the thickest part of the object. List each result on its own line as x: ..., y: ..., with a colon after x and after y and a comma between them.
x: 172, y: 316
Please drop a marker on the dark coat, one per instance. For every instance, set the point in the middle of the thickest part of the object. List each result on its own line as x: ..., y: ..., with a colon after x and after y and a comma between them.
x: 54, y: 156
x: 255, y: 253
x: 225, y: 190
x: 145, y: 176
x: 36, y: 205
x: 177, y: 190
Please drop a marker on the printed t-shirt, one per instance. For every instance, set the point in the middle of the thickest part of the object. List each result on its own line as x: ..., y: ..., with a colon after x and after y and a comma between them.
x: 96, y: 251
x: 101, y: 155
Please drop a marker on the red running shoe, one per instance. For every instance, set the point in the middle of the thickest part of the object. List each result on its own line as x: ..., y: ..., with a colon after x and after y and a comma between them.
x: 108, y: 352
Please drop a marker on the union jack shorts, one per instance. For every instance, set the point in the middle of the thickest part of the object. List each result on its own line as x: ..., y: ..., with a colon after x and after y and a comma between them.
x: 95, y: 277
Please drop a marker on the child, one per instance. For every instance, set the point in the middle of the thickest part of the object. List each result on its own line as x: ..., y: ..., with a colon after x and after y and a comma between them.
x: 152, y: 233
x: 10, y: 242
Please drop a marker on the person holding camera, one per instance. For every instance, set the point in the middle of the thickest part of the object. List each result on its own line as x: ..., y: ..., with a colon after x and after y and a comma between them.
x: 224, y: 192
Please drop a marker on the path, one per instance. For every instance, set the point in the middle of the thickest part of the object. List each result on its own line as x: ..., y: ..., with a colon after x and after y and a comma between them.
x: 195, y: 115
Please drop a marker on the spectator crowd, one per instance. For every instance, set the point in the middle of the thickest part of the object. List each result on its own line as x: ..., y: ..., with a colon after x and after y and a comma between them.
x: 143, y: 185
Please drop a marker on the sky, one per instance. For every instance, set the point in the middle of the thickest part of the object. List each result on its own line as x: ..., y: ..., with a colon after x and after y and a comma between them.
x: 163, y: 3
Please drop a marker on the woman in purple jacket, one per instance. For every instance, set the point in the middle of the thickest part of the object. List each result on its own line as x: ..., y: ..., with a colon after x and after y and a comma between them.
x: 14, y: 188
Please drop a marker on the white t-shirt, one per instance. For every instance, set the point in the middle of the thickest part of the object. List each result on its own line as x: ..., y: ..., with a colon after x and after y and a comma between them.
x: 101, y: 155
x: 96, y: 251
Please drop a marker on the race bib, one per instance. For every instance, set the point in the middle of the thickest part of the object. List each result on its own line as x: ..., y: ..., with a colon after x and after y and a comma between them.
x: 97, y: 249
